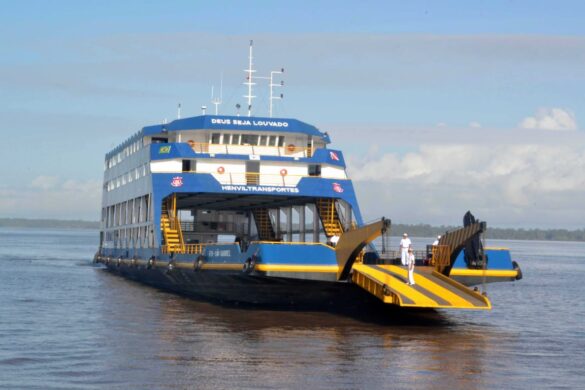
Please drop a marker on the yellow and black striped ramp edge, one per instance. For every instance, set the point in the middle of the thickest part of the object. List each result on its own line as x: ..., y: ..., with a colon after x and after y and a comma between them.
x: 431, y: 289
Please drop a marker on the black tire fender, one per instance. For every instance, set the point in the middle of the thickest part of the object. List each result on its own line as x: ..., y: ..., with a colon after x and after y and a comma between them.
x: 198, y: 263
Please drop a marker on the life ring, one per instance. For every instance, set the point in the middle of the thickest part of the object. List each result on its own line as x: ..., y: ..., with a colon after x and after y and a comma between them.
x: 221, y: 170
x: 291, y: 148
x: 283, y: 172
x: 191, y: 143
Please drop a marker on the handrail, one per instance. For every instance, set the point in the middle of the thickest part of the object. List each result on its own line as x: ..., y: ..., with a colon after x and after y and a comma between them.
x: 193, y: 249
x: 290, y: 243
x: 204, y: 147
x: 440, y: 256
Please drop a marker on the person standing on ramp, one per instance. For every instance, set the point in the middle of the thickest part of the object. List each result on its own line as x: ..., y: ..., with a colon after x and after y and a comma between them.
x: 405, y: 244
x: 410, y: 263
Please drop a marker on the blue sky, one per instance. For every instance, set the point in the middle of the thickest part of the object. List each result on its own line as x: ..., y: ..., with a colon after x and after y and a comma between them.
x: 76, y: 78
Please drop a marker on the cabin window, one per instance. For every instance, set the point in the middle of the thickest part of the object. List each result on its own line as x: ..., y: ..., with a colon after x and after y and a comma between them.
x: 281, y: 141
x: 215, y: 138
x: 189, y: 165
x: 159, y: 140
x: 249, y: 139
x: 272, y: 140
x: 263, y: 139
x: 235, y: 139
x: 314, y: 169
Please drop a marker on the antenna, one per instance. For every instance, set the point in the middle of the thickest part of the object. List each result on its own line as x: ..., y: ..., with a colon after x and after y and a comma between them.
x: 217, y: 101
x: 179, y: 111
x: 249, y: 80
x: 272, y: 85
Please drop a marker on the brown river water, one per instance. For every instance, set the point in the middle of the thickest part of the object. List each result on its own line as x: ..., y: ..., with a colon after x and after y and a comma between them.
x: 66, y: 324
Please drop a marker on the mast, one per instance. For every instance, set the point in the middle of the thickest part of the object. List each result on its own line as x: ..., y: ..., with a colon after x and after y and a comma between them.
x: 249, y: 80
x: 217, y: 100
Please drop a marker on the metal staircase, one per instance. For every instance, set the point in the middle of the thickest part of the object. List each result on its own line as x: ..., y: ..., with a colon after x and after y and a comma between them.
x: 171, y: 227
x: 329, y: 217
x: 264, y: 225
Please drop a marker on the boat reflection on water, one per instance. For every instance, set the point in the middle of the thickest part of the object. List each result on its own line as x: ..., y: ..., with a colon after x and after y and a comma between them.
x: 218, y: 346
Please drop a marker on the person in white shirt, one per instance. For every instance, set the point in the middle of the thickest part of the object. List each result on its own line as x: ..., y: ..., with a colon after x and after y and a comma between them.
x: 334, y: 240
x: 437, y: 241
x: 405, y: 244
x: 410, y: 262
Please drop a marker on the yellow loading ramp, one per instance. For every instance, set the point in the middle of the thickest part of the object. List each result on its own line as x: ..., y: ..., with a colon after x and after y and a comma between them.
x: 431, y: 290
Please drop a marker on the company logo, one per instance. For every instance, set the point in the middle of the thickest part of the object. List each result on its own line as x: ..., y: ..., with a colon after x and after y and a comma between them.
x: 164, y: 150
x: 177, y: 181
x: 337, y: 187
x: 333, y: 156
x: 269, y: 189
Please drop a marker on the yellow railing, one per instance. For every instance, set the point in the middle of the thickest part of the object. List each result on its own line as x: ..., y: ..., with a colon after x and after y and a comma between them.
x: 192, y: 249
x: 291, y: 243
x: 197, y: 249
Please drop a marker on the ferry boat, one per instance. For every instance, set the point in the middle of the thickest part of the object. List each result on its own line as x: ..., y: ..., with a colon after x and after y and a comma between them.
x: 261, y: 211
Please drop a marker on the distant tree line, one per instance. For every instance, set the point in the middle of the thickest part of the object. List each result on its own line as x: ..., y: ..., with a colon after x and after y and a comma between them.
x: 420, y: 230
x: 48, y: 223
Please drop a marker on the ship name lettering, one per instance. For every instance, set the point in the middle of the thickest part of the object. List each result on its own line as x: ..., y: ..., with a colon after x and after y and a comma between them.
x: 217, y: 121
x: 270, y: 123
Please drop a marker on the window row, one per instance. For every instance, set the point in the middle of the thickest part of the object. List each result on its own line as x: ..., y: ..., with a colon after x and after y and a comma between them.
x: 130, y: 212
x: 247, y: 139
x: 126, y: 152
x: 127, y: 177
x: 135, y: 237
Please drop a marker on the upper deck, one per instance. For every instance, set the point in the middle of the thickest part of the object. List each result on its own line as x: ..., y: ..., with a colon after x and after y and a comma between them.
x: 233, y: 135
x: 233, y: 149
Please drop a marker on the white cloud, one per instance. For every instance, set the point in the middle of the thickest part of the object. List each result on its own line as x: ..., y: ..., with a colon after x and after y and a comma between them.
x: 550, y: 119
x: 44, y: 182
x: 517, y: 185
x: 52, y: 197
